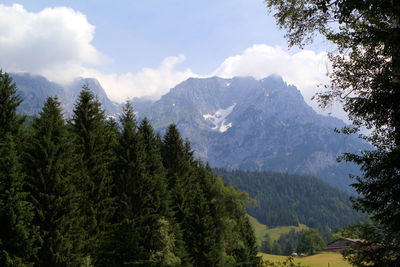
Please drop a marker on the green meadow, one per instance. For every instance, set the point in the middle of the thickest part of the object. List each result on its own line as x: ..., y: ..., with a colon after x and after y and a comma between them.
x: 324, y: 259
x: 261, y: 230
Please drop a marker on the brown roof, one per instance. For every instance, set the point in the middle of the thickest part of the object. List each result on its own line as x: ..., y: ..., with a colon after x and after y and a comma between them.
x: 344, y: 239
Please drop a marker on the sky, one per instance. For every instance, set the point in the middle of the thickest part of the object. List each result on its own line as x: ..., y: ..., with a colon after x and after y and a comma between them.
x: 144, y: 48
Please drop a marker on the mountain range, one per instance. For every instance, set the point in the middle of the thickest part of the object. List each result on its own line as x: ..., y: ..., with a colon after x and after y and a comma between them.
x: 256, y: 125
x: 239, y: 123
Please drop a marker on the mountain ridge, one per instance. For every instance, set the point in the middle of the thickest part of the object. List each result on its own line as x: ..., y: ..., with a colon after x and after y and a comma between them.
x: 266, y: 126
x: 237, y: 123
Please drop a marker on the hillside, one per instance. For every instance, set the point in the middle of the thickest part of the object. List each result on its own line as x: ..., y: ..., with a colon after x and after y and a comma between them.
x: 260, y: 230
x: 285, y: 200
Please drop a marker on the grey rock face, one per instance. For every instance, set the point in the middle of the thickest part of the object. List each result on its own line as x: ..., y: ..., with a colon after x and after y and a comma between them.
x: 36, y: 89
x: 249, y: 124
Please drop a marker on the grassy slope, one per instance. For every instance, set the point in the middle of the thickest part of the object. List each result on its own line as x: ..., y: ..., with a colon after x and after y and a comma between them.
x: 261, y: 229
x: 318, y: 260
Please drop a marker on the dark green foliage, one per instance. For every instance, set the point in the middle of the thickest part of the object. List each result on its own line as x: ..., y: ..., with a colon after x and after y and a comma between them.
x: 376, y: 246
x: 276, y: 248
x: 118, y: 245
x: 140, y: 192
x: 93, y: 155
x: 49, y: 167
x: 177, y: 163
x: 104, y: 194
x: 236, y: 233
x: 266, y: 245
x: 284, y: 199
x: 214, y: 226
x: 18, y: 237
x: 311, y: 242
x: 366, y: 79
x: 155, y: 172
x: 9, y: 101
x: 164, y: 240
x: 289, y: 241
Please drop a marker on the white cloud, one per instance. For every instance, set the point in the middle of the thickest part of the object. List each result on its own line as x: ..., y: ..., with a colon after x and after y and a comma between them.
x: 305, y: 69
x: 148, y: 82
x: 55, y: 42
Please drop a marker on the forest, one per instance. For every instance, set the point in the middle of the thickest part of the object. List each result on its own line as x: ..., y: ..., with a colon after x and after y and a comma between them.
x: 96, y: 191
x: 289, y: 199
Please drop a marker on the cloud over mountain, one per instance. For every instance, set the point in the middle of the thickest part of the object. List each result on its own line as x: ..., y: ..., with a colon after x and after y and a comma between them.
x: 149, y: 82
x: 55, y: 42
x: 305, y: 69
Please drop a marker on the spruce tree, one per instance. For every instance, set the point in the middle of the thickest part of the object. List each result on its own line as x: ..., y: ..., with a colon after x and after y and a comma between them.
x: 177, y: 161
x: 200, y: 228
x: 141, y: 193
x: 266, y: 245
x: 49, y: 168
x: 276, y: 248
x: 10, y: 122
x: 18, y: 237
x: 139, y: 190
x: 93, y: 155
x: 155, y: 197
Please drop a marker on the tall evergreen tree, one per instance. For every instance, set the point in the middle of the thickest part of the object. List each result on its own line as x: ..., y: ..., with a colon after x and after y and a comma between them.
x: 49, y: 168
x: 92, y: 151
x: 10, y: 122
x: 154, y: 181
x: 266, y: 245
x: 276, y: 248
x: 177, y: 162
x: 200, y: 227
x: 140, y: 190
x: 18, y: 238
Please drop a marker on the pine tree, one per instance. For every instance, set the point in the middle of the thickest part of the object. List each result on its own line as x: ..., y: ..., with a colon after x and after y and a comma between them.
x: 92, y: 152
x: 154, y: 181
x: 10, y: 122
x: 49, y: 168
x: 200, y: 228
x: 177, y: 161
x: 276, y: 248
x: 18, y: 237
x: 266, y: 245
x: 140, y: 192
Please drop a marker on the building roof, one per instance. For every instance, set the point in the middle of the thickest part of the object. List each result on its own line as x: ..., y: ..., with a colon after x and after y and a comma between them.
x: 351, y: 240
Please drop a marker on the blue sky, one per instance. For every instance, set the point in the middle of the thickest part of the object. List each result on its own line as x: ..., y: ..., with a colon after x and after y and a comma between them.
x: 143, y: 48
x: 136, y: 34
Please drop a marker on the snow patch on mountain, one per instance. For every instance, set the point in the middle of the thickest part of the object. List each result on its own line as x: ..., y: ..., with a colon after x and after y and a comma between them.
x: 218, y: 119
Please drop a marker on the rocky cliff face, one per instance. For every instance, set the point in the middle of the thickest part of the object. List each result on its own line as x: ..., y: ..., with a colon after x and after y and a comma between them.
x: 36, y: 89
x: 249, y: 124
